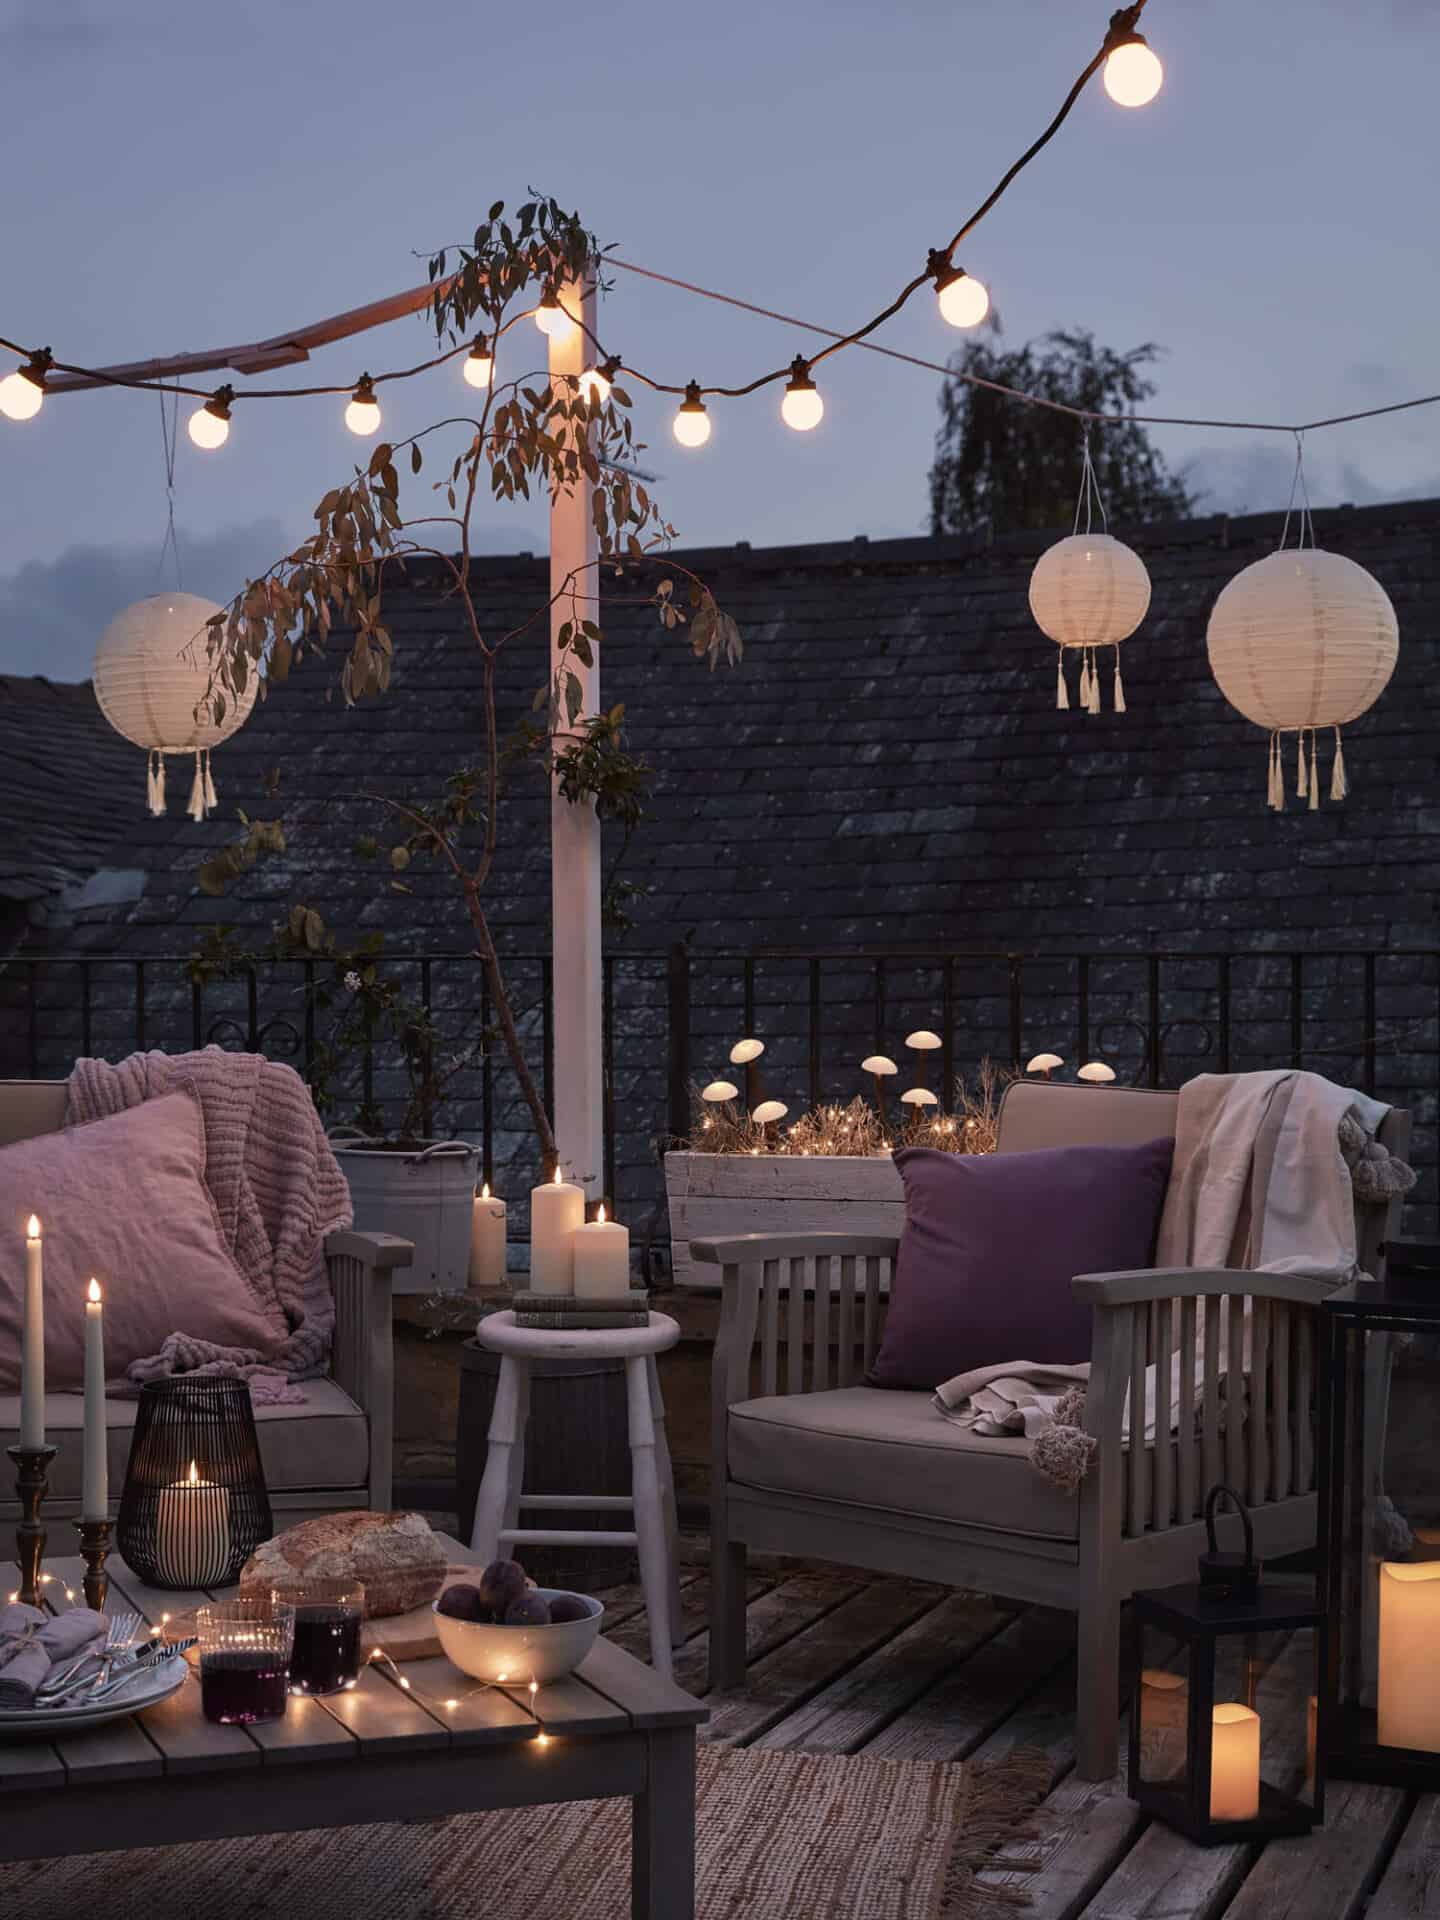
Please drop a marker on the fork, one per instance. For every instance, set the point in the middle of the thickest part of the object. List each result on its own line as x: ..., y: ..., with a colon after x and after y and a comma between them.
x: 118, y: 1635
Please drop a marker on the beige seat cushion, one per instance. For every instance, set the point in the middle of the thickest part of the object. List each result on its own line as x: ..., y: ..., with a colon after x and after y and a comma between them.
x: 322, y: 1443
x: 893, y: 1450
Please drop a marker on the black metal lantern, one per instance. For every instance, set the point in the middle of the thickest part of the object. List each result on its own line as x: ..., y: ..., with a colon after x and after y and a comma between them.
x: 1223, y: 1742
x: 1380, y: 1524
x: 194, y: 1506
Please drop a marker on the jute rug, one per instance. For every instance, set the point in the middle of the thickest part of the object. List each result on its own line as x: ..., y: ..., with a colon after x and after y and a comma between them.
x: 780, y: 1836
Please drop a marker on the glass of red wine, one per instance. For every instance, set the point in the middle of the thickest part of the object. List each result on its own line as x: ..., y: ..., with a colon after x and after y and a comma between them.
x: 328, y: 1616
x: 245, y: 1649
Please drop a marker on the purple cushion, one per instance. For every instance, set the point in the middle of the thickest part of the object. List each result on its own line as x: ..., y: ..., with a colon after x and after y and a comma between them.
x: 991, y: 1244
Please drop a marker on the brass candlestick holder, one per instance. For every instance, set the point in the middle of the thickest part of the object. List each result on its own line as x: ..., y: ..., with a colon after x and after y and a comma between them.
x: 32, y: 1477
x: 94, y: 1546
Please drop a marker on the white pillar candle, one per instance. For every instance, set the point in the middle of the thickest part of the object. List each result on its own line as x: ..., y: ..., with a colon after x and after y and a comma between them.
x: 602, y: 1259
x: 1164, y: 1719
x: 32, y: 1349
x: 487, y: 1241
x: 1409, y: 1691
x: 192, y: 1530
x: 1234, y: 1762
x: 557, y: 1212
x: 95, y: 1481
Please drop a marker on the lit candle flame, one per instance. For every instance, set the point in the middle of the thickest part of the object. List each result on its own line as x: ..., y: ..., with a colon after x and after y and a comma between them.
x: 93, y: 1292
x: 194, y: 1476
x: 485, y: 1191
x: 32, y: 1227
x: 557, y: 1176
x: 600, y: 1215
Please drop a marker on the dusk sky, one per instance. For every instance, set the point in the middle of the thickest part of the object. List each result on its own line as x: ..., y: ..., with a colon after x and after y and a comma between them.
x: 186, y: 176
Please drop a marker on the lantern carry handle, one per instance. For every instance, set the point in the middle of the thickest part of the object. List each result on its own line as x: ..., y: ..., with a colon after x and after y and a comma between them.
x: 1228, y: 1576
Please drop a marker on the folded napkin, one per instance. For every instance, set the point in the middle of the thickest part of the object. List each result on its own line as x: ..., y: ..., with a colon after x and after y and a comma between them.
x: 32, y: 1643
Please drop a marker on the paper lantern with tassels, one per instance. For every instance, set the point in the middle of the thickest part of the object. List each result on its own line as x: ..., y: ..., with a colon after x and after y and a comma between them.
x: 1089, y: 591
x: 1300, y: 641
x: 152, y: 680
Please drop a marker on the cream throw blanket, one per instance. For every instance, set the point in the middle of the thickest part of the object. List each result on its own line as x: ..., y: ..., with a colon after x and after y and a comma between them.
x: 1258, y: 1182
x: 277, y: 1188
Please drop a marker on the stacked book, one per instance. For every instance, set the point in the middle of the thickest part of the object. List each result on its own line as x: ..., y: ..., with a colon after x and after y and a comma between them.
x: 563, y: 1313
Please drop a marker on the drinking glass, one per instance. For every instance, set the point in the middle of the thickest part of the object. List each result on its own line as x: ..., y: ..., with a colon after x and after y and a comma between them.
x: 328, y: 1614
x: 245, y: 1648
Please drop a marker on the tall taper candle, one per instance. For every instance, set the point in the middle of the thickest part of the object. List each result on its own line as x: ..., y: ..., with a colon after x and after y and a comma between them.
x: 95, y: 1480
x: 32, y: 1357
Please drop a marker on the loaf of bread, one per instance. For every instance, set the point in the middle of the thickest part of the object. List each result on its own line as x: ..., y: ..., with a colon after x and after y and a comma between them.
x: 396, y: 1557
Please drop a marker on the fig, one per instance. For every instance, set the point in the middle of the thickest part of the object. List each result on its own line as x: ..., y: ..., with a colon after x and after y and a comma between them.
x: 528, y: 1611
x: 462, y: 1602
x: 568, y: 1606
x: 500, y: 1583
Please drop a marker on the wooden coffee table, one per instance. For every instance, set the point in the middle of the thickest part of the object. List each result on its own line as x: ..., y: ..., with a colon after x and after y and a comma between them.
x: 614, y: 1728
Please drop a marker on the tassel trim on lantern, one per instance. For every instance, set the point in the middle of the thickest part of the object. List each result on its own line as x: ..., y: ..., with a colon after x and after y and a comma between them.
x: 1314, y: 774
x: 1062, y: 694
x: 1275, y: 791
x: 1094, y: 684
x: 155, y: 781
x: 1307, y: 770
x: 202, y: 790
x: 1301, y: 784
x: 1119, y: 685
x: 210, y: 800
x: 1339, y: 785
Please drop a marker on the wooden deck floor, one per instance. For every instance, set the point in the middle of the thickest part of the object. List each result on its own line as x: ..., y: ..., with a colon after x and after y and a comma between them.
x: 845, y: 1662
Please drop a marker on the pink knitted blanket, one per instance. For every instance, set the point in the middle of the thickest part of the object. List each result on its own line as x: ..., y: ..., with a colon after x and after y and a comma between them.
x: 277, y: 1188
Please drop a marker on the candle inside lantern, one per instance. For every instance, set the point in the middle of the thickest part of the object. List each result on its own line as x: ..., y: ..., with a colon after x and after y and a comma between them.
x: 557, y: 1212
x: 32, y: 1346
x: 95, y: 1467
x: 1234, y: 1762
x: 602, y: 1259
x: 487, y: 1241
x: 1408, y: 1698
x: 1164, y: 1716
x: 192, y: 1531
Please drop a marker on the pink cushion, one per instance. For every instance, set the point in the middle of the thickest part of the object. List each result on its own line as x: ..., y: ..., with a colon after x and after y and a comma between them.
x: 124, y: 1199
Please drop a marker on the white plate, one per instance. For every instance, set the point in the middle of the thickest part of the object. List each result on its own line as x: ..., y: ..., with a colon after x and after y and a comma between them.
x: 145, y: 1690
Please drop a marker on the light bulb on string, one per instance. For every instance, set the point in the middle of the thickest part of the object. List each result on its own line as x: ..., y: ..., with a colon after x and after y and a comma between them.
x: 22, y: 393
x: 480, y: 364
x: 692, y: 422
x: 596, y: 382
x: 551, y: 318
x: 1133, y: 73
x: 801, y: 407
x: 209, y: 425
x: 362, y: 416
x: 964, y: 301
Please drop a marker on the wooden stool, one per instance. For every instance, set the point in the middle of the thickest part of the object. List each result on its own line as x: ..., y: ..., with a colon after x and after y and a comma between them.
x: 651, y: 1500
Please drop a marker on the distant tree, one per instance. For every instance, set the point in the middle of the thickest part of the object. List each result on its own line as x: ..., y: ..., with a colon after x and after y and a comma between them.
x: 1001, y: 466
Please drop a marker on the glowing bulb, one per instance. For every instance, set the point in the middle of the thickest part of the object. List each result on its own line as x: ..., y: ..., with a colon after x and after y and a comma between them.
x: 542, y: 1740
x: 534, y: 1686
x: 595, y: 386
x: 362, y: 416
x: 552, y: 319
x: 479, y: 365
x: 692, y: 422
x: 452, y: 1704
x: 209, y: 425
x: 801, y: 408
x: 21, y: 394
x: 964, y: 301
x: 93, y: 1293
x: 1133, y: 73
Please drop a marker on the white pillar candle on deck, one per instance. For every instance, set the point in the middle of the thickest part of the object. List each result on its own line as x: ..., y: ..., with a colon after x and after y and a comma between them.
x: 95, y: 1467
x: 557, y: 1212
x: 1409, y: 1691
x: 1234, y: 1762
x: 602, y: 1260
x: 487, y: 1241
x: 32, y: 1347
x: 192, y: 1531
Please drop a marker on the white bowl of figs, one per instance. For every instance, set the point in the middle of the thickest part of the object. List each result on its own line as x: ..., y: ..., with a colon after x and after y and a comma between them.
x: 505, y: 1629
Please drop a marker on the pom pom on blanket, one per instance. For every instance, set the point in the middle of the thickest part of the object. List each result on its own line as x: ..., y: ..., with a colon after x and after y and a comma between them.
x: 1063, y: 1454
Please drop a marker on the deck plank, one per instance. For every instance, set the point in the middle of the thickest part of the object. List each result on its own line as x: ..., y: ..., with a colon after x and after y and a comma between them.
x: 1409, y: 1888
x: 1324, y: 1874
x: 770, y: 1621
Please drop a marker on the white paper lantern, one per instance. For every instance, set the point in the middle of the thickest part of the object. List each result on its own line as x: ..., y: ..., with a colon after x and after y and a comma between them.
x: 1088, y: 591
x: 1299, y: 641
x: 152, y: 680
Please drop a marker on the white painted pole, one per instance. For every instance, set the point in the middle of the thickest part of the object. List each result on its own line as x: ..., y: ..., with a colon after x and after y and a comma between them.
x: 575, y: 830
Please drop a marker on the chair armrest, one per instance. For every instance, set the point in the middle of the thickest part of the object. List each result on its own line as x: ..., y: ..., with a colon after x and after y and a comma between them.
x: 1180, y: 1283
x: 363, y: 1360
x: 738, y: 1248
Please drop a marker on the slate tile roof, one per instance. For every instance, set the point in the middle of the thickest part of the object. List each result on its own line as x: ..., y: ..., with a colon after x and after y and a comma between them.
x: 62, y: 773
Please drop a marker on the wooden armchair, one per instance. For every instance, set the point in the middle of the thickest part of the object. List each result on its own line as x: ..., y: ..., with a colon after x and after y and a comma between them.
x: 329, y: 1454
x: 876, y: 1478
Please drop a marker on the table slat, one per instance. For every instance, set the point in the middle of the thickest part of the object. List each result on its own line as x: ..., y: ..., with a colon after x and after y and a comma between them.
x: 648, y: 1699
x: 382, y: 1717
x: 119, y: 1751
x: 29, y: 1763
x: 483, y: 1714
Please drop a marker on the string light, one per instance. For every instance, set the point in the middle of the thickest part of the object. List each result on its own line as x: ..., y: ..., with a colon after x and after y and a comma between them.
x: 596, y: 382
x: 362, y: 416
x: 801, y: 406
x: 22, y: 393
x: 479, y: 366
x: 552, y: 319
x: 1133, y: 72
x: 964, y: 301
x: 209, y: 426
x: 692, y: 422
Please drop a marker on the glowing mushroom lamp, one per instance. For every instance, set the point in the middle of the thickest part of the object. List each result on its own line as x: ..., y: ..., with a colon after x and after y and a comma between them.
x: 768, y: 1115
x: 1097, y: 1073
x: 1044, y: 1063
x: 881, y: 1068
x: 745, y: 1053
x: 715, y: 1095
x: 918, y: 1099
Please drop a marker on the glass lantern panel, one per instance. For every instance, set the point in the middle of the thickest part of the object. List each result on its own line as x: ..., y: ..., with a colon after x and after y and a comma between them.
x: 1264, y: 1714
x: 1388, y: 1565
x: 1164, y: 1706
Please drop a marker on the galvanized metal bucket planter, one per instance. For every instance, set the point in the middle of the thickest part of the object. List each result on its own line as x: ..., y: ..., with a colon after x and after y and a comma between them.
x: 424, y: 1196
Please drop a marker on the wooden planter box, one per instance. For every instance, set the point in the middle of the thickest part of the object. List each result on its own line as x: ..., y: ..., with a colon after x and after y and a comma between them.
x: 712, y: 1194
